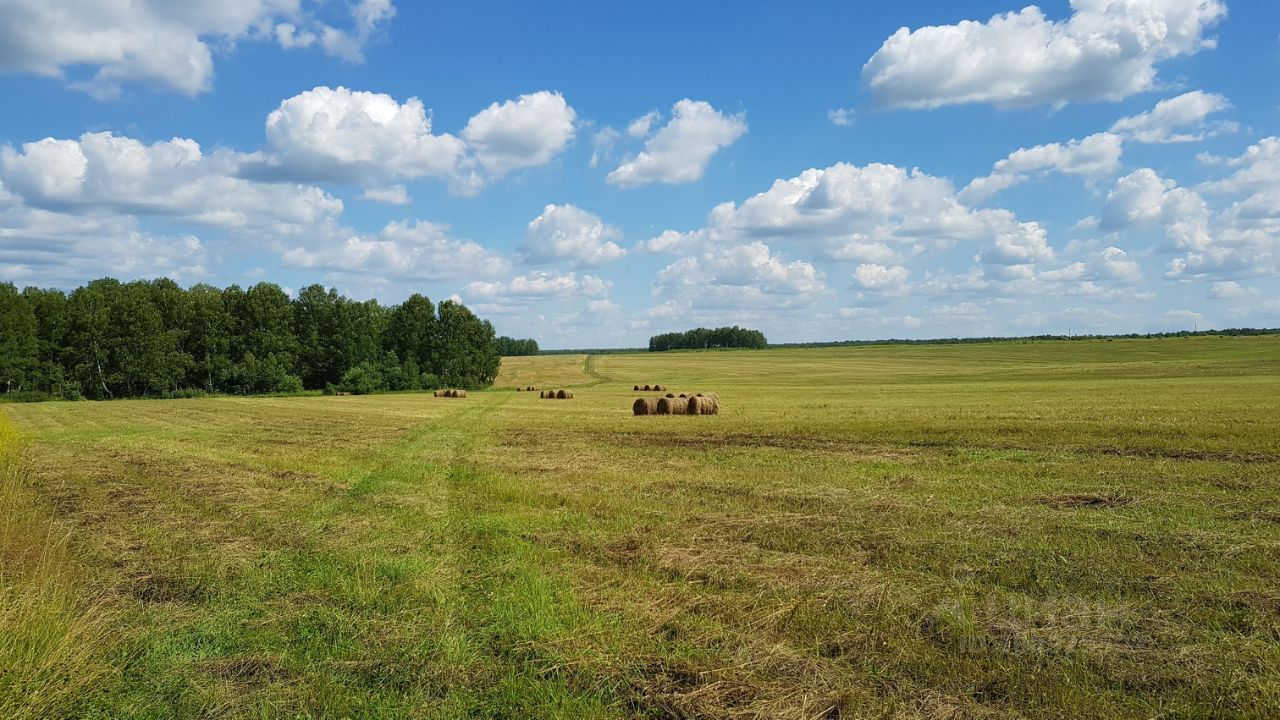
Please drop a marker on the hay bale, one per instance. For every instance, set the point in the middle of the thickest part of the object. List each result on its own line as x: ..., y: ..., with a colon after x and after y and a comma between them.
x: 564, y: 394
x: 569, y: 394
x: 542, y: 395
x: 645, y: 388
x: 701, y: 405
x: 636, y: 388
x: 531, y: 388
x: 672, y: 406
x: 669, y: 395
x: 683, y: 395
x: 645, y: 406
x: 459, y: 393
x: 440, y: 393
x: 519, y: 389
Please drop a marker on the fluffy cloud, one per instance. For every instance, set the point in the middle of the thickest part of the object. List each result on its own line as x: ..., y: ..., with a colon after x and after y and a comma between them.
x: 1257, y: 170
x: 1179, y: 119
x: 569, y: 233
x: 871, y: 214
x: 1230, y: 290
x: 1242, y: 240
x: 107, y: 172
x: 401, y: 251
x: 681, y: 150
x: 40, y: 247
x: 1109, y: 264
x: 753, y: 268
x: 1107, y: 50
x: 880, y: 278
x: 348, y: 136
x: 343, y: 135
x: 1022, y: 245
x: 1143, y: 199
x: 162, y: 43
x: 1095, y: 156
x: 520, y: 133
x: 539, y: 286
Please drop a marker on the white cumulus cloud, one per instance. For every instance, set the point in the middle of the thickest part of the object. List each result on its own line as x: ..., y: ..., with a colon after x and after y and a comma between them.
x: 107, y: 172
x: 569, y: 233
x: 1095, y: 156
x: 1178, y: 119
x: 343, y: 135
x: 520, y: 133
x: 401, y: 251
x: 161, y: 43
x: 1106, y: 50
x: 681, y: 150
x: 356, y: 137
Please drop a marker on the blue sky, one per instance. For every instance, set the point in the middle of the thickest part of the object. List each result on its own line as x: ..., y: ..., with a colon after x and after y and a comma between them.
x: 590, y: 174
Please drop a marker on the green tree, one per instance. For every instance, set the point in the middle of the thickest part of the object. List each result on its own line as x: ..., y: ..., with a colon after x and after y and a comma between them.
x: 19, y: 341
x: 468, y: 355
x: 50, y: 308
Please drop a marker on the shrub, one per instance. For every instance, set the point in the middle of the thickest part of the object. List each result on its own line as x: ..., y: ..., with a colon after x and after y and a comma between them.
x: 26, y: 396
x: 362, y: 379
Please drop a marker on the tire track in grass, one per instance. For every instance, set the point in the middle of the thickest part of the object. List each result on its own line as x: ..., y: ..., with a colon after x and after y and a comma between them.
x: 513, y: 616
x: 599, y: 378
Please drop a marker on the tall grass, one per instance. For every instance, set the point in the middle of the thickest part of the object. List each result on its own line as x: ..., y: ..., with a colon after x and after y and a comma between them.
x: 52, y: 635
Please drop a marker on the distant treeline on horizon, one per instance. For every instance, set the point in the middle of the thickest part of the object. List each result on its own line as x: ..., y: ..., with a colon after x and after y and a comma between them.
x: 1232, y: 332
x: 706, y: 339
x: 110, y: 339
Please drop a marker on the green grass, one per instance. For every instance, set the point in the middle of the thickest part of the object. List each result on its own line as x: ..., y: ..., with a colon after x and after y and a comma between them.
x: 1042, y: 530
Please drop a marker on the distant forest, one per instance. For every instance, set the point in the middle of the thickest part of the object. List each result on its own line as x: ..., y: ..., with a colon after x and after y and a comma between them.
x: 703, y: 338
x: 510, y: 347
x: 110, y: 339
x: 1229, y: 332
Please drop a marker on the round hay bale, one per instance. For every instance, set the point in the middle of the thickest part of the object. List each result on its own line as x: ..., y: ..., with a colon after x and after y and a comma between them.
x: 542, y: 395
x: 683, y: 395
x: 645, y: 388
x: 669, y: 395
x: 703, y: 406
x: 569, y: 394
x: 563, y: 395
x: 645, y: 406
x: 531, y: 388
x: 672, y: 406
x: 636, y: 388
x: 459, y: 393
x: 519, y: 389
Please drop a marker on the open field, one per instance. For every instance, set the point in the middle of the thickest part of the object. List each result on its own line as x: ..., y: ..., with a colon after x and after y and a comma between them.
x: 1041, y: 530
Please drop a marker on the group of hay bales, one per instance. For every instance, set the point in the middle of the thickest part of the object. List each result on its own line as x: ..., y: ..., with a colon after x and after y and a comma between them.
x: 650, y: 388
x: 530, y: 388
x: 682, y: 404
x: 556, y: 395
x: 451, y: 393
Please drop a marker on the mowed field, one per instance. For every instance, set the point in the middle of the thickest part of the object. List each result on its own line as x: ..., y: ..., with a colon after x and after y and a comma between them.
x: 1039, y: 530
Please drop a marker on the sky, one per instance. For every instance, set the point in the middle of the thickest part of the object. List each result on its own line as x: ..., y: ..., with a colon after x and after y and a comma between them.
x: 590, y: 174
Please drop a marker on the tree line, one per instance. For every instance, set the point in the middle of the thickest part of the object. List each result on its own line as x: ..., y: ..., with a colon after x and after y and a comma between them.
x: 510, y: 347
x: 110, y: 339
x: 1224, y: 332
x: 703, y: 338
